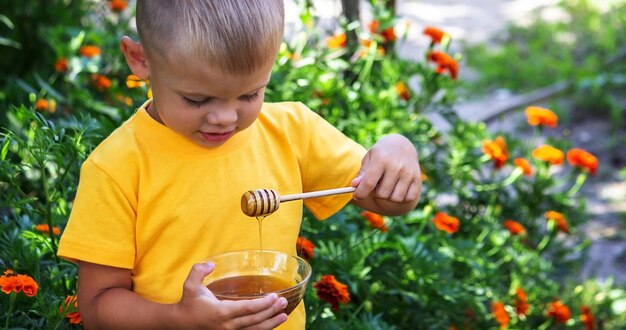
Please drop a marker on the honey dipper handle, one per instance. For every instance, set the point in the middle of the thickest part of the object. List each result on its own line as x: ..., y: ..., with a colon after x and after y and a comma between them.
x: 318, y: 193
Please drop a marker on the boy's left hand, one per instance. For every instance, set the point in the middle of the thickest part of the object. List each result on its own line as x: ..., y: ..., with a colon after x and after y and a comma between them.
x: 389, y: 181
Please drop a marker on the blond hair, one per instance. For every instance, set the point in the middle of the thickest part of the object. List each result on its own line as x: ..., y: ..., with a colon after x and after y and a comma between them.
x: 238, y: 36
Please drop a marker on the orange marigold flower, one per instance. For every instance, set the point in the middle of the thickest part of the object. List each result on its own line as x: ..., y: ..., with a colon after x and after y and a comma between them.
x: 403, y: 91
x: 500, y: 314
x: 19, y: 283
x: 332, y: 291
x: 587, y: 318
x: 375, y: 220
x: 132, y: 81
x: 389, y: 34
x: 101, y: 82
x: 521, y: 302
x: 337, y: 41
x: 524, y: 165
x: 61, y: 65
x: 305, y: 248
x: 10, y: 282
x: 69, y: 308
x: 46, y: 105
x: 580, y: 158
x: 447, y: 223
x: 548, y: 154
x: 89, y: 51
x: 561, y: 221
x: 514, y: 227
x: 124, y: 99
x: 559, y: 311
x: 380, y: 51
x: 497, y: 150
x: 453, y: 69
x: 373, y: 26
x: 118, y: 5
x: 29, y: 286
x: 44, y: 228
x: 444, y: 62
x: 42, y: 104
x: 320, y: 95
x: 537, y: 116
x: 434, y: 33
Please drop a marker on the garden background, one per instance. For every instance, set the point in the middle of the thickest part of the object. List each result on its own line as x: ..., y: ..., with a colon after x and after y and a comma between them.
x: 518, y: 119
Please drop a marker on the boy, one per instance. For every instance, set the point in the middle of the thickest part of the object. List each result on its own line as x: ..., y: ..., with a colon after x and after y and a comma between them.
x: 161, y: 195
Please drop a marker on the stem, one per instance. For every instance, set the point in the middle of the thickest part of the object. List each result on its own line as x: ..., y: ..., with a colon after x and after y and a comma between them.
x: 375, y: 231
x: 536, y: 134
x: 67, y: 169
x: 48, y: 212
x: 546, y: 239
x: 580, y: 180
x: 420, y: 229
x: 10, y: 311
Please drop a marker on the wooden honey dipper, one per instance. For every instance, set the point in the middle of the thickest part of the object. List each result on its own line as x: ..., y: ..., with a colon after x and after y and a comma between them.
x: 263, y: 202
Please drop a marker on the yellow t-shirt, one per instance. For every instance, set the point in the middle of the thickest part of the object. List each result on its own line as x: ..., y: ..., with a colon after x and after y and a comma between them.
x: 152, y: 201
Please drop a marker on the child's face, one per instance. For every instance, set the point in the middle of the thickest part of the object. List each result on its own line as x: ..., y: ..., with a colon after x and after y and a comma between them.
x: 204, y: 104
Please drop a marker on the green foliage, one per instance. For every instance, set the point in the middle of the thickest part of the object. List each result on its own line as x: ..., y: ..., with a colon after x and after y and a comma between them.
x: 413, y: 276
x: 585, y: 48
x: 584, y: 44
x: 39, y: 175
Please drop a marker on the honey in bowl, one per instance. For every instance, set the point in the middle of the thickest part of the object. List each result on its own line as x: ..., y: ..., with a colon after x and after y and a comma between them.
x: 255, y: 286
x: 252, y: 274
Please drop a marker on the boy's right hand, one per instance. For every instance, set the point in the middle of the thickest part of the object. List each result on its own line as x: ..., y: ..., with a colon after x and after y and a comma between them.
x: 200, y: 309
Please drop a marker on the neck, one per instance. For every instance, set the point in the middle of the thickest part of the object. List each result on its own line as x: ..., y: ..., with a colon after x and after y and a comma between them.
x: 152, y: 111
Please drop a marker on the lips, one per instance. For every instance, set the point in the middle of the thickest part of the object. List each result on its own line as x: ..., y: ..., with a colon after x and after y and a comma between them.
x: 216, y: 137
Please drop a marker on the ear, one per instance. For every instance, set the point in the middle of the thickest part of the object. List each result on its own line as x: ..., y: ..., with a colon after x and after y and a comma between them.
x: 135, y: 57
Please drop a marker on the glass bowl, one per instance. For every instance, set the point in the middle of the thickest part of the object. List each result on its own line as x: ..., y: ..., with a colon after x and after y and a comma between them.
x: 252, y: 274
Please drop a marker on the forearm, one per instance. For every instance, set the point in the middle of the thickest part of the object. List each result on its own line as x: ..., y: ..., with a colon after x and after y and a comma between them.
x: 119, y: 308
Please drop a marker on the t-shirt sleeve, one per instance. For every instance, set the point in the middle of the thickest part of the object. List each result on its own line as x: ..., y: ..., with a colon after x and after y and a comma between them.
x: 101, y: 227
x: 331, y: 160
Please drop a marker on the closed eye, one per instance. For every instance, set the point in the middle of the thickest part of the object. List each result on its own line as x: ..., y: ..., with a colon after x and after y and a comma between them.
x: 195, y: 103
x: 250, y: 97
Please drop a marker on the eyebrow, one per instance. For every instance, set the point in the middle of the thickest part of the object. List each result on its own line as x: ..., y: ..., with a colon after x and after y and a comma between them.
x: 192, y: 94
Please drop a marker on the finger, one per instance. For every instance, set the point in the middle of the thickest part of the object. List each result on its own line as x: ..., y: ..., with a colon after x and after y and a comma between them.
x: 243, y: 308
x: 264, y: 315
x: 270, y: 323
x: 400, y: 190
x: 392, y: 182
x: 193, y: 283
x: 408, y: 176
x: 415, y: 189
x: 368, y: 182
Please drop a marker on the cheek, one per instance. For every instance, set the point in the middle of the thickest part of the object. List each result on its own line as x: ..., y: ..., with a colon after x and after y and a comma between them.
x: 249, y: 112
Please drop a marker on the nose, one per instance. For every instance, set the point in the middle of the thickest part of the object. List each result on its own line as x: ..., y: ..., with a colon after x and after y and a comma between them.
x: 225, y: 114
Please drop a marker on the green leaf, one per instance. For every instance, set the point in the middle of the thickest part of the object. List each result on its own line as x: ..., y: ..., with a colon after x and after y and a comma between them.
x: 49, y: 88
x: 28, y: 88
x: 5, y: 148
x: 77, y: 41
x: 7, y: 22
x: 10, y: 43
